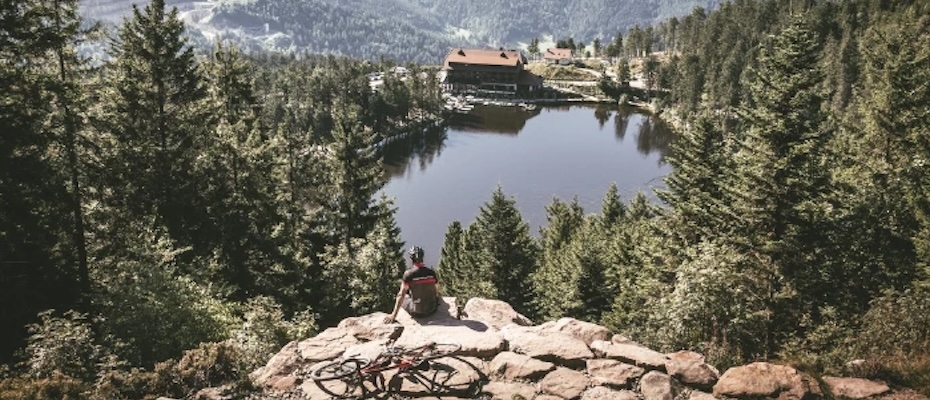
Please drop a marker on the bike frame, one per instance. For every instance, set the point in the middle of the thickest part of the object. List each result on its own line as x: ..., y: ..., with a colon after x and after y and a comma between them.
x: 399, y: 361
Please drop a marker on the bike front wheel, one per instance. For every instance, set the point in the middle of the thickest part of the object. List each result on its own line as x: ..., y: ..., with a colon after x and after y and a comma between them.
x: 339, y: 369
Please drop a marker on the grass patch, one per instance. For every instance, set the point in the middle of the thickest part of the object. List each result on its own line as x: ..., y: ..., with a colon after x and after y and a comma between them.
x: 560, y: 72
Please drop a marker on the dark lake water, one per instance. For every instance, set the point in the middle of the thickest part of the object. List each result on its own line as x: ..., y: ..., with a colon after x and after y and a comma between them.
x: 563, y: 152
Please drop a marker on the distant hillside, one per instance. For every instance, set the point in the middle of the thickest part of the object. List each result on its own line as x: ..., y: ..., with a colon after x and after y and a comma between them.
x: 405, y: 30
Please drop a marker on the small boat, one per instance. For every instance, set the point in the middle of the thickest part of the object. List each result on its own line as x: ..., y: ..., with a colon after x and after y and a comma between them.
x: 528, y: 107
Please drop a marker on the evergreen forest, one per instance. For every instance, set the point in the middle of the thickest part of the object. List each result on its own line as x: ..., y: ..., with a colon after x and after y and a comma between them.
x: 168, y: 220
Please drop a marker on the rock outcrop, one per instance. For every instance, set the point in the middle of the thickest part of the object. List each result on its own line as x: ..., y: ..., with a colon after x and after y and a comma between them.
x: 504, y: 356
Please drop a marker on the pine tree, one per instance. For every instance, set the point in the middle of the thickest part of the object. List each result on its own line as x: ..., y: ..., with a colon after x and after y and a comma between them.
x: 354, y: 175
x: 897, y: 69
x: 556, y: 280
x: 503, y: 244
x: 696, y: 186
x: 42, y: 255
x: 781, y: 185
x: 533, y: 48
x: 156, y: 115
x: 451, y: 268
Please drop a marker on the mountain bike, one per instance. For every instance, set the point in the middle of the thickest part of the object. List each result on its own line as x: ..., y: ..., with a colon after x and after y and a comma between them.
x: 345, y: 378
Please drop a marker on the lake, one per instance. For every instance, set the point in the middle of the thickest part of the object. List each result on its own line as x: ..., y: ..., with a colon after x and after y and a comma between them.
x: 566, y: 151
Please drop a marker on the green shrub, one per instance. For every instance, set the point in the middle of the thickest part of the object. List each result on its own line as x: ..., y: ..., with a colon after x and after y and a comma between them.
x: 825, y: 348
x: 895, y: 339
x: 62, y: 346
x: 264, y: 331
x: 54, y: 387
x: 209, y: 365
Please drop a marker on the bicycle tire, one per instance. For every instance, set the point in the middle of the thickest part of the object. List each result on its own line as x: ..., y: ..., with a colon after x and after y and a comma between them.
x: 339, y: 369
x: 439, y: 350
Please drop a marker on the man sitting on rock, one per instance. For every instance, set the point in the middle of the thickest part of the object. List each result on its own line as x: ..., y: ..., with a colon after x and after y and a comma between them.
x: 419, y: 290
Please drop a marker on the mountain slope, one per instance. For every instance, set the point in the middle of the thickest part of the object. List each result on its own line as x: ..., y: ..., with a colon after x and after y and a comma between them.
x: 406, y: 30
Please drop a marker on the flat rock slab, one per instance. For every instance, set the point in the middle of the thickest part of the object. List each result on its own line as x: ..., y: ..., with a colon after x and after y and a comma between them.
x: 764, y: 380
x: 512, y: 366
x: 613, y: 373
x: 326, y: 346
x: 565, y: 383
x: 631, y: 354
x: 855, y: 388
x: 603, y: 393
x: 585, y: 331
x: 494, y: 313
x: 553, y: 347
x: 509, y: 390
x: 474, y: 337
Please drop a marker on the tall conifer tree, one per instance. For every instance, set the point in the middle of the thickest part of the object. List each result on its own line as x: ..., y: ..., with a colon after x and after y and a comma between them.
x: 156, y: 115
x: 503, y: 240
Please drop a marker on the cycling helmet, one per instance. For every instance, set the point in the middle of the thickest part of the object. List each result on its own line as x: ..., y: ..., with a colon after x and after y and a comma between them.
x: 415, y: 253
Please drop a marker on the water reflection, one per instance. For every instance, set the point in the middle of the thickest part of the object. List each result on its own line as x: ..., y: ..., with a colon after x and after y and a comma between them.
x: 506, y: 120
x: 419, y: 150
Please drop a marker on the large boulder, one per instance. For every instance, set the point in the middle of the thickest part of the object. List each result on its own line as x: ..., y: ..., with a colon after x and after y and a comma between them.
x: 764, y: 380
x: 280, y: 366
x: 474, y: 337
x: 613, y: 373
x: 494, y: 313
x: 658, y: 386
x: 326, y: 346
x: 585, y: 331
x: 565, y: 383
x: 855, y: 388
x: 369, y: 327
x: 631, y: 354
x: 554, y: 347
x: 512, y: 366
x: 689, y: 368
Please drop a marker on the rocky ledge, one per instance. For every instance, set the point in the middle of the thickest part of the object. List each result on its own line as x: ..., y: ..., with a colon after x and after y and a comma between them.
x: 504, y: 356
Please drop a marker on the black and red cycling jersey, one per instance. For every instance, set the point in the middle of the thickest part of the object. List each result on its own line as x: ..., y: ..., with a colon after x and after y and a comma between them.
x: 421, y: 288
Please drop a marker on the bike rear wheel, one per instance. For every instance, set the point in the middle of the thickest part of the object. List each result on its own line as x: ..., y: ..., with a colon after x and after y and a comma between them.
x: 339, y: 369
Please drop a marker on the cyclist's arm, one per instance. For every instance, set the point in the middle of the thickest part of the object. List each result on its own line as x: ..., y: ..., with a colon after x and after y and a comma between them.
x: 397, y: 303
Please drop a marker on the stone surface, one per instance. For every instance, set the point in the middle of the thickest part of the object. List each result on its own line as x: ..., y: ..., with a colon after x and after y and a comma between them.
x: 603, y: 393
x: 512, y: 366
x: 690, y: 368
x: 699, y: 395
x: 285, y: 383
x: 369, y: 327
x: 494, y: 313
x: 619, y: 339
x: 502, y: 358
x: 631, y: 354
x: 553, y: 347
x: 613, y: 372
x: 565, y: 383
x: 855, y: 388
x: 326, y: 346
x: 658, y: 386
x: 585, y: 331
x: 509, y: 390
x: 279, y: 366
x: 762, y: 379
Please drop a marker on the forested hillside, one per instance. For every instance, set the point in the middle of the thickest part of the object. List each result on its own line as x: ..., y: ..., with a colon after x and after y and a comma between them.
x: 406, y: 30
